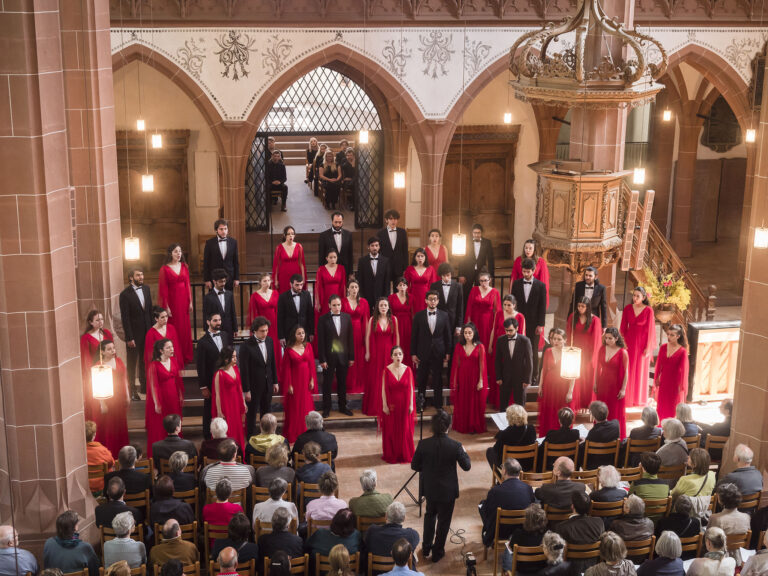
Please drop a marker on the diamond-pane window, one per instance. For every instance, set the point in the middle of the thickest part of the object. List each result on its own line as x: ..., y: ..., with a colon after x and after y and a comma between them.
x: 256, y: 215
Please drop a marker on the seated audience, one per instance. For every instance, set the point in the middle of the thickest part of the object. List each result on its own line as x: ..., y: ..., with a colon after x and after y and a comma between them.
x: 511, y: 494
x: 66, y: 551
x: 674, y: 451
x: 716, y: 561
x: 379, y: 540
x: 633, y: 525
x: 342, y: 531
x: 172, y: 547
x: 122, y: 546
x: 339, y: 562
x: 685, y: 415
x: 97, y: 453
x: 667, y: 562
x: 730, y: 519
x: 221, y: 511
x: 757, y: 565
x: 613, y: 554
x: 135, y: 480
x: 650, y: 427
x: 680, y: 522
x: 263, y: 511
x: 165, y: 506
x: 258, y: 444
x: 119, y: 568
x: 310, y: 472
x: 279, y: 564
x: 719, y: 428
x: 699, y: 484
x: 172, y: 568
x: 517, y: 433
x: 277, y: 466
x: 558, y: 494
x: 553, y: 546
x: 326, y: 507
x: 581, y: 528
x: 182, y: 481
x: 650, y: 486
x: 14, y: 561
x: 239, y: 538
x: 563, y: 435
x: 603, y: 430
x: 240, y: 475
x: 609, y: 491
x: 316, y: 433
x: 210, y: 446
x: 114, y: 505
x: 529, y: 534
x: 162, y: 449
x: 747, y: 478
x: 402, y: 552
x: 280, y: 538
x: 371, y: 503
x: 228, y: 559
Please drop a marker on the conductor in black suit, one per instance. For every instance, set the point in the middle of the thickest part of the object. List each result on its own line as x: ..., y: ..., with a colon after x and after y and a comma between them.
x: 531, y: 296
x: 222, y: 301
x: 431, y: 338
x: 374, y: 273
x: 514, y: 365
x: 258, y: 371
x: 294, y: 308
x: 221, y: 252
x: 394, y: 244
x: 336, y: 238
x: 451, y: 296
x: 336, y: 352
x: 208, y: 351
x: 436, y: 458
x: 136, y: 313
x: 593, y: 290
x: 479, y: 256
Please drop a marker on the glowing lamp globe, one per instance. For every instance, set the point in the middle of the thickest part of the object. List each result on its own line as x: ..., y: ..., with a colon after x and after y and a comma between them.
x: 157, y: 140
x: 147, y: 183
x: 761, y: 237
x: 666, y: 116
x: 751, y: 135
x: 101, y: 382
x: 638, y: 176
x: 570, y: 363
x: 132, y: 250
x: 362, y: 138
x: 507, y: 117
x: 141, y: 125
x: 399, y: 180
x: 459, y: 244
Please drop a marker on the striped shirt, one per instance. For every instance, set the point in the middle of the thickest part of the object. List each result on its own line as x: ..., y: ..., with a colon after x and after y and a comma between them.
x: 240, y: 475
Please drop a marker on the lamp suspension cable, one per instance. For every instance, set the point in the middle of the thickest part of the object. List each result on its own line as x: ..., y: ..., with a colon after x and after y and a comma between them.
x: 147, y: 179
x: 399, y: 176
x: 132, y: 249
x: 362, y: 137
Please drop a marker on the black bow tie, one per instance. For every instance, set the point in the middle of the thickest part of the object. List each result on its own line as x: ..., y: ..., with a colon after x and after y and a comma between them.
x: 260, y: 341
x: 216, y: 334
x: 432, y: 313
x: 511, y: 338
x: 296, y: 294
x: 527, y: 281
x: 477, y: 241
x: 222, y: 239
x: 137, y: 288
x: 337, y: 231
x: 590, y: 287
x: 374, y: 257
x: 219, y: 293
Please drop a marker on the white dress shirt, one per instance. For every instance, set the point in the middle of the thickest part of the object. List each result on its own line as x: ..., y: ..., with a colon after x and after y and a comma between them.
x: 216, y: 336
x: 296, y: 300
x: 392, y: 236
x: 511, y: 344
x: 477, y: 244
x: 221, y: 298
x: 222, y: 247
x: 337, y: 322
x: 140, y: 295
x: 527, y: 284
x: 374, y: 264
x: 263, y: 348
x: 337, y: 239
x: 432, y: 320
x: 446, y: 291
x: 589, y: 291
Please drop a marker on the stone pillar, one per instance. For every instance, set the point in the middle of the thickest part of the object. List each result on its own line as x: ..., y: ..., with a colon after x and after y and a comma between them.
x: 233, y: 162
x: 598, y: 136
x: 42, y: 445
x: 685, y: 173
x: 437, y: 137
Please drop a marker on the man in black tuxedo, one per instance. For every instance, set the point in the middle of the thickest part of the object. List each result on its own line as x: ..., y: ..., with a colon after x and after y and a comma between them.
x: 136, y: 313
x: 294, y: 307
x: 479, y: 257
x: 451, y: 297
x: 436, y: 459
x: 374, y: 274
x: 593, y: 290
x: 336, y: 238
x: 336, y: 352
x: 258, y: 371
x: 514, y: 365
x: 221, y: 252
x: 208, y: 351
x: 222, y: 301
x: 394, y: 244
x: 431, y: 338
x: 531, y: 296
x: 276, y: 178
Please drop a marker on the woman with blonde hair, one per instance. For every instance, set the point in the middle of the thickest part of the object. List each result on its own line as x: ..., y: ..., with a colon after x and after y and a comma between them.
x: 716, y: 561
x: 339, y: 561
x: 518, y: 433
x: 613, y: 554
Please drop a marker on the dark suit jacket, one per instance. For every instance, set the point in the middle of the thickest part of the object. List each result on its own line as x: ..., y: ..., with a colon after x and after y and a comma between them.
x: 274, y: 171
x: 274, y: 541
x: 134, y: 480
x: 379, y: 539
x: 287, y: 317
x: 254, y: 370
x: 455, y: 304
x: 162, y: 449
x: 208, y: 355
x: 558, y: 494
x: 136, y: 320
x: 167, y: 508
x: 425, y: 343
x: 331, y: 345
x: 581, y: 529
x: 436, y: 458
x: 516, y: 370
x: 607, y: 431
x: 398, y: 257
x: 106, y: 512
x: 326, y: 440
x: 212, y: 259
x: 562, y: 436
x: 469, y: 266
x: 513, y: 436
x: 183, y: 481
x: 645, y: 433
x: 535, y: 309
x: 211, y: 304
x: 512, y: 494
x: 326, y: 241
x: 374, y: 287
x: 599, y: 300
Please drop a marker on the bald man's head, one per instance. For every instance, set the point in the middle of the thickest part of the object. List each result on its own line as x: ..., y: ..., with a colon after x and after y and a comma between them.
x: 228, y: 559
x: 563, y: 467
x: 171, y: 529
x: 7, y: 536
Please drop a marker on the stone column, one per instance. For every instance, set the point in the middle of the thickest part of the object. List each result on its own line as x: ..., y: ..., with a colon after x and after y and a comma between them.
x: 43, y: 469
x: 437, y: 137
x: 685, y: 173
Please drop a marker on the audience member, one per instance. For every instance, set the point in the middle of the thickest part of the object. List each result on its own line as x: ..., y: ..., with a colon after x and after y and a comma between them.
x: 581, y: 528
x: 674, y: 451
x: 511, y: 494
x: 182, y: 481
x: 14, y: 561
x: 518, y: 433
x: 685, y: 415
x: 402, y: 553
x: 173, y: 547
x: 239, y: 538
x: 554, y: 546
x: 263, y: 511
x: 719, y: 428
x: 680, y: 522
x: 339, y: 562
x: 667, y: 561
x: 162, y: 449
x: 279, y: 564
x: 66, y: 551
x: 758, y: 564
x: 371, y: 503
x: 609, y: 491
x: 341, y: 531
x: 97, y: 454
x: 379, y: 540
x: 277, y: 466
x: 221, y: 511
x: 119, y: 568
x: 310, y: 472
x: 240, y: 475
x: 650, y: 486
x: 603, y: 430
x: 165, y: 506
x: 633, y: 524
x: 747, y: 478
x: 280, y: 538
x: 228, y: 559
x: 716, y: 561
x: 210, y: 446
x: 699, y: 484
x: 135, y: 480
x: 316, y: 433
x: 613, y: 555
x: 172, y: 568
x: 558, y: 494
x: 563, y: 435
x: 529, y: 534
x: 730, y: 519
x: 650, y: 427
x: 114, y: 505
x: 326, y: 507
x: 122, y: 546
x: 259, y: 444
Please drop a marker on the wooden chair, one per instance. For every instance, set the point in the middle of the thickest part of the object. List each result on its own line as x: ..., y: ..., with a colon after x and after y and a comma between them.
x: 529, y: 452
x: 83, y: 572
x: 761, y: 541
x: 299, y: 460
x: 257, y: 460
x: 658, y: 507
x: 503, y: 518
x: 260, y: 528
x: 749, y: 503
x: 671, y: 474
x: 323, y: 564
x: 212, y: 532
x: 554, y: 451
x: 365, y: 522
x: 307, y: 492
x: 588, y: 477
x: 715, y: 443
x: 606, y: 509
x: 736, y: 541
x: 243, y: 568
x: 138, y: 571
x: 692, y: 442
x: 191, y: 497
x: 556, y: 515
x: 630, y: 474
x: 97, y: 472
x: 536, y: 479
x: 524, y: 555
x: 188, y: 532
x: 299, y: 565
x: 600, y: 449
x: 381, y: 564
x: 691, y: 544
x: 189, y: 569
x: 106, y: 533
x: 139, y: 500
x: 314, y: 525
x: 582, y: 551
x: 260, y: 494
x: 639, y: 446
x: 640, y: 549
x: 190, y: 468
x: 237, y: 497
x: 145, y: 466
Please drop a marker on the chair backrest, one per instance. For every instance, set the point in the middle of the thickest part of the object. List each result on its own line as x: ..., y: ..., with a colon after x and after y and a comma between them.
x: 299, y: 460
x: 736, y: 541
x: 761, y: 541
x: 658, y: 507
x: 716, y: 443
x: 261, y: 494
x: 188, y: 532
x: 323, y: 564
x: 145, y: 466
x: 307, y: 492
x: 588, y: 477
x: 212, y: 532
x: 640, y: 548
x: 365, y: 522
x: 536, y: 479
x: 383, y: 563
x: 190, y: 468
x: 138, y: 500
x: 107, y: 534
x: 582, y: 551
x: 243, y: 568
x: 97, y: 471
x: 557, y: 514
x: 528, y: 452
x: 691, y: 544
x: 637, y: 446
x: 189, y: 569
x: 138, y: 571
x: 692, y: 442
x: 257, y: 460
x: 526, y: 555
x: 299, y: 565
x: 507, y: 518
x: 556, y: 450
x: 313, y: 525
x: 237, y: 497
x: 83, y: 572
x: 191, y: 497
x: 260, y: 528
x: 600, y: 449
x: 630, y: 474
x: 671, y: 473
x: 606, y: 509
x: 750, y: 502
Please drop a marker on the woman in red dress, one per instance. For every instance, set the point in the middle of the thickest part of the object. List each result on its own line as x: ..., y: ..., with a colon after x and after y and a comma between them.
x: 509, y: 310
x: 670, y: 378
x: 175, y: 295
x: 584, y: 331
x: 381, y: 335
x: 611, y: 377
x: 638, y: 328
x: 297, y: 379
x: 94, y: 335
x: 165, y: 391
x: 359, y: 311
x: 541, y: 272
x: 400, y: 304
x: 159, y: 331
x: 113, y: 423
x: 228, y: 401
x: 468, y: 384
x: 288, y: 260
x: 420, y: 277
x: 263, y: 302
x: 398, y: 416
x: 436, y: 252
x: 554, y: 391
x: 483, y: 310
x: 331, y: 280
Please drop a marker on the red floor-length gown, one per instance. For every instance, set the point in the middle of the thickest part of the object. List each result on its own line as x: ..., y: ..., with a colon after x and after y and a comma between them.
x: 639, y: 332
x: 167, y: 387
x: 297, y: 371
x: 404, y: 316
x: 541, y: 272
x: 357, y: 372
x: 285, y: 266
x: 418, y: 286
x: 671, y: 379
x: 382, y: 342
x: 484, y: 312
x: 397, y: 427
x: 608, y: 380
x: 175, y: 294
x: 468, y: 402
x: 493, y: 388
x: 554, y: 389
x: 89, y: 355
x: 230, y: 391
x: 442, y: 256
x: 589, y: 341
x: 153, y: 336
x: 260, y: 306
x: 113, y: 426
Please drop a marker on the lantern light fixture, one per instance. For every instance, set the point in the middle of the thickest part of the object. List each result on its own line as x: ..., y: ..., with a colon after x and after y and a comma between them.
x: 362, y: 138
x: 157, y: 140
x: 132, y: 248
x: 101, y: 381
x: 751, y: 135
x: 666, y: 116
x: 141, y: 125
x: 570, y: 362
x: 458, y: 244
x: 147, y: 183
x: 638, y: 176
x: 399, y: 180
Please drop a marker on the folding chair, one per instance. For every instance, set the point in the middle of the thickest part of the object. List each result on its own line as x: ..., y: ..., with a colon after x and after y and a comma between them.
x: 323, y: 564
x: 139, y: 500
x: 554, y: 451
x: 606, y: 509
x: 191, y: 497
x: 365, y: 522
x: 630, y: 474
x: 520, y: 453
x: 582, y: 551
x: 212, y: 532
x: 639, y: 446
x: 188, y: 532
x: 314, y: 525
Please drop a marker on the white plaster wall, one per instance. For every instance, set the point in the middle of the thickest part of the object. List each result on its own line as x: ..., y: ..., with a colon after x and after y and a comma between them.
x: 413, y: 189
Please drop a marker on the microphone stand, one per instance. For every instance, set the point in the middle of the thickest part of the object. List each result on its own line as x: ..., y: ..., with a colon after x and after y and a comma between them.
x: 420, y: 401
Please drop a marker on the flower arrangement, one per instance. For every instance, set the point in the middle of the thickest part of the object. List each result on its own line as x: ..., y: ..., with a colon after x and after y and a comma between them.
x: 666, y: 290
